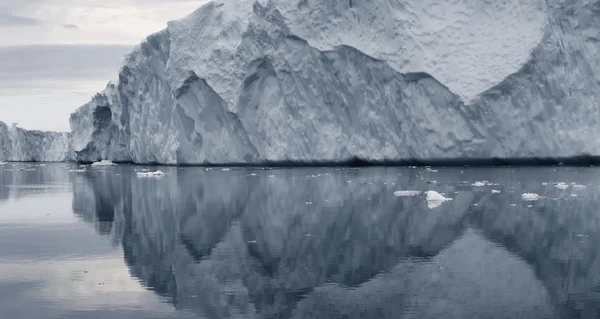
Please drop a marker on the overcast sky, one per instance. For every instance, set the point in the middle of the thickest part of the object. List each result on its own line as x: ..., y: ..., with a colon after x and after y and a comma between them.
x: 55, y: 54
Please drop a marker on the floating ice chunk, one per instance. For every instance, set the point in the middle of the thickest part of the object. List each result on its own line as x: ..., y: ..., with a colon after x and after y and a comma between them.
x: 578, y: 187
x: 158, y: 173
x: 531, y: 196
x: 103, y: 163
x: 479, y: 184
x: 2, y: 163
x: 513, y: 205
x: 406, y: 193
x: 495, y: 191
x: 561, y: 185
x: 226, y: 169
x: 544, y: 184
x: 253, y: 174
x: 435, y: 199
x: 431, y: 170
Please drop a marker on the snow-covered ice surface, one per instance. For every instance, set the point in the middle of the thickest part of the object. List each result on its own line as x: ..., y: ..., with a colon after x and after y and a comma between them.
x: 20, y: 145
x: 329, y: 81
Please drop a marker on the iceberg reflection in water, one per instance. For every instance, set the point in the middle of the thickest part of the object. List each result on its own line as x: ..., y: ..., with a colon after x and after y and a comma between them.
x: 337, y: 243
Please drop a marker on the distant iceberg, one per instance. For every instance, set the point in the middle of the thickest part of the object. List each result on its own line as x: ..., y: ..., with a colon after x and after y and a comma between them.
x: 20, y: 145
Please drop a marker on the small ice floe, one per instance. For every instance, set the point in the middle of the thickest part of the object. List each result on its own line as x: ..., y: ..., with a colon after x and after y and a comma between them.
x: 435, y: 199
x: 253, y: 174
x: 481, y: 183
x: 158, y: 173
x: 561, y: 185
x: 252, y: 242
x: 544, y: 184
x: 271, y: 176
x: 103, y: 163
x: 578, y: 187
x: 2, y: 163
x: 226, y: 169
x: 495, y: 191
x: 513, y: 205
x: 429, y: 169
x: 308, y: 203
x: 529, y: 206
x: 79, y: 170
x: 573, y: 195
x: 530, y: 196
x: 406, y: 193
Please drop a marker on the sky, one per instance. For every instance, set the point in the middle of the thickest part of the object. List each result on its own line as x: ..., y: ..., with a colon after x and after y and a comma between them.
x: 55, y: 54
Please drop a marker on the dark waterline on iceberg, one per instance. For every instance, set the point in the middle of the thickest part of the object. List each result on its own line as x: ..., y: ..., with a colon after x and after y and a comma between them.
x: 583, y: 160
x: 297, y: 243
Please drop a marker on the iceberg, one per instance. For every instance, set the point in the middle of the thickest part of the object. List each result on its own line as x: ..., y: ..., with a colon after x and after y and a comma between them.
x: 332, y: 81
x: 20, y: 145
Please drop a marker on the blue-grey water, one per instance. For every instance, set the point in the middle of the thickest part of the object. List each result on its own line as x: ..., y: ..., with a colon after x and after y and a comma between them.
x: 105, y: 242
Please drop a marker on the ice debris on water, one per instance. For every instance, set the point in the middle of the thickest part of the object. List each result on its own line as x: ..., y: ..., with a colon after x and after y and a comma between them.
x: 578, y: 187
x: 406, y: 193
x: 103, y: 163
x: 561, y: 185
x: 435, y: 199
x: 530, y: 196
x: 158, y: 173
x: 495, y: 191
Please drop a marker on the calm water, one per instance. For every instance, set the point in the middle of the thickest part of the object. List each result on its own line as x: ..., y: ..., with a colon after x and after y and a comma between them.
x: 298, y: 243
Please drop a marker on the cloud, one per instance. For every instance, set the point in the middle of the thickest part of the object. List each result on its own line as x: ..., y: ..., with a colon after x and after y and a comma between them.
x: 70, y: 26
x: 56, y: 62
x: 8, y: 19
x: 41, y: 85
x: 100, y: 21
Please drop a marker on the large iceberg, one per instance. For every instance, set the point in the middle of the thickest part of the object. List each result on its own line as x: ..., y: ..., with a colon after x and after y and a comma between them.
x: 20, y: 145
x: 330, y: 81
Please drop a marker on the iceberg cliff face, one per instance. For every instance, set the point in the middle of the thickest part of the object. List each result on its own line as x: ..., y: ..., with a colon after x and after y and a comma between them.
x: 20, y: 145
x: 333, y: 81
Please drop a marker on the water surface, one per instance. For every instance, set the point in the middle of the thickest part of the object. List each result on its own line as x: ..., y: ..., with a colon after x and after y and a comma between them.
x: 298, y: 243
